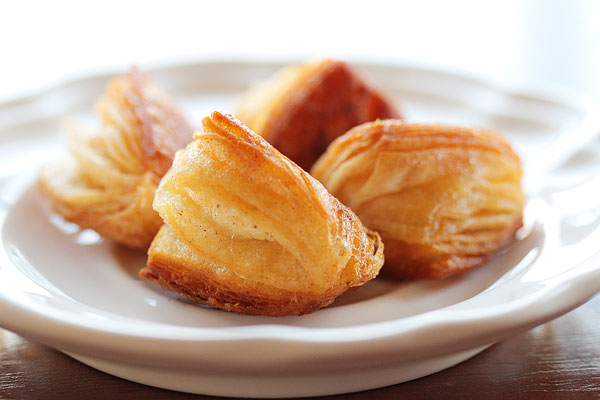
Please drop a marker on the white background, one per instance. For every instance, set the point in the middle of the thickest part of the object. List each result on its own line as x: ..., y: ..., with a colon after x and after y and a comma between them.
x: 515, y: 43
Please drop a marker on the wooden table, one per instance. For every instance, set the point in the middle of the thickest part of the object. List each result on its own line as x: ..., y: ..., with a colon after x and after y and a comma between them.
x: 557, y: 360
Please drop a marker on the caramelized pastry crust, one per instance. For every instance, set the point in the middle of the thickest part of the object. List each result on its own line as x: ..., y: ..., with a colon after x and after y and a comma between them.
x: 247, y: 230
x: 443, y: 198
x: 108, y: 181
x: 303, y: 108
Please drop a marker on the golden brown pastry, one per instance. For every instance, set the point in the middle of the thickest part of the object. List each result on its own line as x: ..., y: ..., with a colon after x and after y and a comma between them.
x: 443, y: 198
x: 247, y: 230
x: 303, y: 108
x: 108, y: 181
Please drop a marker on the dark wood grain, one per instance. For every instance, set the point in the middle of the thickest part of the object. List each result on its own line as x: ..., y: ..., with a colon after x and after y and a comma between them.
x: 557, y: 360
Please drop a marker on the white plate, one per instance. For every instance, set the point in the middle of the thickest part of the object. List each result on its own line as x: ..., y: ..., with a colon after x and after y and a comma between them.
x: 72, y: 290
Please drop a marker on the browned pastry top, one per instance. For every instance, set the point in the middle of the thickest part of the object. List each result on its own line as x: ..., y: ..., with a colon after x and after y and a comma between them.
x: 162, y: 128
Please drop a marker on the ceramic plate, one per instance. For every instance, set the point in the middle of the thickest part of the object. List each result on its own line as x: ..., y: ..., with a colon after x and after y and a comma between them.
x: 73, y: 290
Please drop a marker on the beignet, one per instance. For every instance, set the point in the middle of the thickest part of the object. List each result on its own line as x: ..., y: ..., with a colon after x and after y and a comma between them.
x: 108, y: 181
x: 443, y: 198
x: 303, y: 108
x: 247, y: 230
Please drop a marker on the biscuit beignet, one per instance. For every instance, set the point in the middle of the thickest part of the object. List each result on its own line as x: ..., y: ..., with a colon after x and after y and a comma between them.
x: 443, y: 198
x: 247, y: 230
x: 108, y: 181
x: 303, y: 108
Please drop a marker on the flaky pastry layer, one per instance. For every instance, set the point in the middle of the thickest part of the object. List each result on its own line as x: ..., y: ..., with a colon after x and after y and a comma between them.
x: 443, y: 198
x: 247, y: 230
x: 303, y: 108
x: 108, y: 181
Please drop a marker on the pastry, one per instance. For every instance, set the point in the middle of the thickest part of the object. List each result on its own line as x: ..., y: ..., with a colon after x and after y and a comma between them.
x: 247, y: 230
x: 107, y: 182
x: 303, y: 108
x: 443, y: 198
